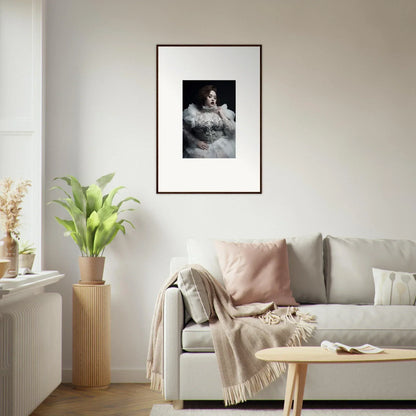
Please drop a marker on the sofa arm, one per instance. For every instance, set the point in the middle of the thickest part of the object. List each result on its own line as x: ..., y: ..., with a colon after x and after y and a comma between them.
x: 173, y: 325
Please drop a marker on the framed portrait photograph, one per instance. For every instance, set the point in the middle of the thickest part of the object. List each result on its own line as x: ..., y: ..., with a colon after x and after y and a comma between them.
x: 209, y: 119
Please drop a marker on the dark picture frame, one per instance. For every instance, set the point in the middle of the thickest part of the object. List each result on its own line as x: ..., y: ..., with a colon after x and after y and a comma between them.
x: 209, y: 119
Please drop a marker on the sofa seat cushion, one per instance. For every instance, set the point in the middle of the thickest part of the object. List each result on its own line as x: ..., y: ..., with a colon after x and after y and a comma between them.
x: 392, y: 326
x: 197, y: 338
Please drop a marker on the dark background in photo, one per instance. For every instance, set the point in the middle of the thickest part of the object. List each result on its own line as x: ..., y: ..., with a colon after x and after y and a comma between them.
x: 225, y: 92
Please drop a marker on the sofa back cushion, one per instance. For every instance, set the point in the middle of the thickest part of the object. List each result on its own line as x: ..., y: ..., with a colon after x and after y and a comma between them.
x: 306, y: 268
x: 349, y: 263
x: 305, y: 255
x: 177, y: 263
x: 202, y: 251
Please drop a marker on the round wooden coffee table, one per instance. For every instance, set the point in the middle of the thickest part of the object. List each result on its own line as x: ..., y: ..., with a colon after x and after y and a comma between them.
x: 298, y: 359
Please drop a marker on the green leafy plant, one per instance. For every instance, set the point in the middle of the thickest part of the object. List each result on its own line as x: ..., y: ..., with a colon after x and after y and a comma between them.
x: 94, y: 217
x: 26, y: 248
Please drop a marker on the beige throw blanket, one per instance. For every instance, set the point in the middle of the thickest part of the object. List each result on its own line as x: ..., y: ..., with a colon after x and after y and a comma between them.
x: 237, y: 332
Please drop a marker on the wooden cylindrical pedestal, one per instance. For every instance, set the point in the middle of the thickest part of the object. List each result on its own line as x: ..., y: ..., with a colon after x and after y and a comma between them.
x: 91, y: 341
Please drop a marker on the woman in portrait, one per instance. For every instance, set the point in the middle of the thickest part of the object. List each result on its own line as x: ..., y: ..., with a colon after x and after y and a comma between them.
x: 208, y: 129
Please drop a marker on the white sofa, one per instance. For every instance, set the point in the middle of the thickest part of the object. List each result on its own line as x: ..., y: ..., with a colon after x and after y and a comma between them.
x: 332, y: 279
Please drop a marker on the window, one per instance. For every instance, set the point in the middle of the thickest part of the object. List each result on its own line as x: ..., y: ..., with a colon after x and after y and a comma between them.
x: 21, y: 108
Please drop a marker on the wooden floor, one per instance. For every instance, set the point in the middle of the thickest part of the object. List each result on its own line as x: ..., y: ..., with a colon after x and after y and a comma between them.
x: 118, y: 400
x: 129, y: 399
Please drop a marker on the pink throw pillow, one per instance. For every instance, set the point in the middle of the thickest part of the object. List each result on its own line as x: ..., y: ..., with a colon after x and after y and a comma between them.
x: 256, y: 272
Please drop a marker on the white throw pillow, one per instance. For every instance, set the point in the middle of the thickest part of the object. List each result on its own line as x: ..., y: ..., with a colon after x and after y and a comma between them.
x: 394, y: 288
x: 194, y: 294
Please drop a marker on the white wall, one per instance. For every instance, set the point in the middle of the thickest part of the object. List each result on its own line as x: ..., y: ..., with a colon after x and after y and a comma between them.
x: 339, y: 127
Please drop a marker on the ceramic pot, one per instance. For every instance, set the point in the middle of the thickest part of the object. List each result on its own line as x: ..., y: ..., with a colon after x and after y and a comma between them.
x: 91, y: 270
x: 9, y: 250
x: 26, y: 261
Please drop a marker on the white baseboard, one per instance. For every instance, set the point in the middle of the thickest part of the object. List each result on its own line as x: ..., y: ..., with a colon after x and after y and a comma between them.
x: 118, y: 375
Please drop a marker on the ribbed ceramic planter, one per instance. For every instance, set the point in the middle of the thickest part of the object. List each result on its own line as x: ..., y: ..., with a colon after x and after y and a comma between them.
x: 91, y: 270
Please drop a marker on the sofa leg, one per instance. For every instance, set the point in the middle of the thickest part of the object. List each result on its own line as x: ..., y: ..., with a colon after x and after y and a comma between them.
x: 178, y: 404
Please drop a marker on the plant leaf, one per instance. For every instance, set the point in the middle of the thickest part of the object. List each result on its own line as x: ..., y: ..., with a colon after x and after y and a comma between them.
x: 94, y: 199
x: 70, y: 226
x: 117, y: 228
x: 80, y: 222
x: 93, y: 222
x: 61, y: 189
x: 63, y: 178
x: 130, y: 198
x: 105, y: 212
x: 104, y: 233
x: 104, y: 180
x: 63, y: 203
x: 122, y: 228
x: 128, y: 222
x: 77, y: 240
x: 109, y: 200
x: 79, y: 196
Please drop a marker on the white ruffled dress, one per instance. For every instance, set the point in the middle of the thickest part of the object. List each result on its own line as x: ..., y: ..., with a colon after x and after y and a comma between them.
x: 207, y: 125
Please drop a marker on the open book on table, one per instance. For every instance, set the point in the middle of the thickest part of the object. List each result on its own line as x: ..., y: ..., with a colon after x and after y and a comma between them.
x: 362, y: 349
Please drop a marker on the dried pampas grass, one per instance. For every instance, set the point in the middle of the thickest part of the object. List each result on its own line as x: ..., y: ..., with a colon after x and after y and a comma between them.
x: 11, y: 198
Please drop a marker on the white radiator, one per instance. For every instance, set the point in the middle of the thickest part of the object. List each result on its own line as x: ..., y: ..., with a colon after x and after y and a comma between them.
x: 30, y: 352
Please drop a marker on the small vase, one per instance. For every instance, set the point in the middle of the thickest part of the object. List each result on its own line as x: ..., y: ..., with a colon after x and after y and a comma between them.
x: 26, y: 261
x: 9, y: 250
x: 91, y: 270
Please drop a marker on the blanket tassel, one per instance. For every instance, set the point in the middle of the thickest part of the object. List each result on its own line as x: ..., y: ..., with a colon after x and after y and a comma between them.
x: 272, y: 370
x: 241, y: 392
x: 156, y: 380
